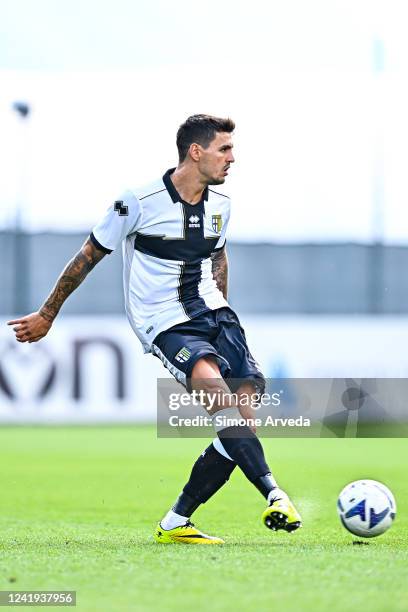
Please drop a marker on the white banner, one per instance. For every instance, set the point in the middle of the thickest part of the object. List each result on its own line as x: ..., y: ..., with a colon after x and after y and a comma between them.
x: 92, y: 369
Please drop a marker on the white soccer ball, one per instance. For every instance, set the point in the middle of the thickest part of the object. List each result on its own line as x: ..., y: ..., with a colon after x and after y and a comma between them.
x: 366, y: 508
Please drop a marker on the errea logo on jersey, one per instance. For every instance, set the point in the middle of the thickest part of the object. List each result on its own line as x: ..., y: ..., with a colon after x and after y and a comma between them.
x: 194, y: 221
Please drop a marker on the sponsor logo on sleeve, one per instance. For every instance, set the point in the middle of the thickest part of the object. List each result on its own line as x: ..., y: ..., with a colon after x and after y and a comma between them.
x: 121, y: 208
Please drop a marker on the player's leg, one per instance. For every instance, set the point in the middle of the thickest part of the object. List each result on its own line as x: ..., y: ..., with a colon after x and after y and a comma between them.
x: 280, y: 513
x: 247, y: 380
x: 213, y: 467
x: 209, y: 473
x: 239, y: 441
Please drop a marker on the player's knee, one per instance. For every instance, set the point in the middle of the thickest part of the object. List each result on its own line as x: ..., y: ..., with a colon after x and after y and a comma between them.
x: 252, y: 388
x: 206, y: 377
x: 206, y: 368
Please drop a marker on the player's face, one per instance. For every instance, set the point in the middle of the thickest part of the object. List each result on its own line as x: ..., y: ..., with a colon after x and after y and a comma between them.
x: 216, y: 159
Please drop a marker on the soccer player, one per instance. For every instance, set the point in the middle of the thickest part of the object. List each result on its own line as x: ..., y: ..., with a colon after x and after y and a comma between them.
x: 175, y: 281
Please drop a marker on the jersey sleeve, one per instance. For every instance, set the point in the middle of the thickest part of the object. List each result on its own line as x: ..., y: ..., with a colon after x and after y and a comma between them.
x: 121, y: 219
x: 222, y: 239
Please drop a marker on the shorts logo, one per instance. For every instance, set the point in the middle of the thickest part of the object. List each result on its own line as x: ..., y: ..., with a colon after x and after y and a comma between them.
x: 183, y: 355
x: 194, y: 221
x: 216, y: 221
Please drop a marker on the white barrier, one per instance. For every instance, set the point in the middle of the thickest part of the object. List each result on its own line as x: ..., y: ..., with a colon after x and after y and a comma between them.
x: 92, y: 369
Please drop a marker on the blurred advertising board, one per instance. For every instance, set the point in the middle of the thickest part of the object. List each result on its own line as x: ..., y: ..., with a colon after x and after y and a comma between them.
x: 92, y: 369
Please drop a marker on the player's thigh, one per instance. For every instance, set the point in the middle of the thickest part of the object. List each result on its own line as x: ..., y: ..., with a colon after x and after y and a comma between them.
x: 182, y: 353
x: 231, y: 343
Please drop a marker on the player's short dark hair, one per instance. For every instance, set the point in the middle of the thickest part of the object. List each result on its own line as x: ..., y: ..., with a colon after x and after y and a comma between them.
x: 201, y: 129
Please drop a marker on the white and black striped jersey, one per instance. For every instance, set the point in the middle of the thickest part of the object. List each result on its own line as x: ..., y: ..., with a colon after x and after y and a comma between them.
x: 167, y: 273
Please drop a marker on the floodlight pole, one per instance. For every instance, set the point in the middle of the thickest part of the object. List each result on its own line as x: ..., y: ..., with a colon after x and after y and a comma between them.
x: 21, y: 246
x: 377, y: 278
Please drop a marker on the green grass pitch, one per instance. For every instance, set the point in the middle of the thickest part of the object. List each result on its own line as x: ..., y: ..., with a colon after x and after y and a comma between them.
x: 79, y: 505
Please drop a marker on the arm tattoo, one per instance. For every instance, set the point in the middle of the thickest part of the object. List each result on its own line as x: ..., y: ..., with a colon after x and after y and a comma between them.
x: 71, y: 277
x: 220, y: 270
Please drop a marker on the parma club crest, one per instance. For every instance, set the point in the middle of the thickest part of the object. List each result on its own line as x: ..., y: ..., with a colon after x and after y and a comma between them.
x: 183, y: 355
x: 217, y: 223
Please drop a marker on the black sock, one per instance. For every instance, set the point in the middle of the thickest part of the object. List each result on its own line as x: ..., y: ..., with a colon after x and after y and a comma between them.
x: 210, y: 472
x: 245, y: 448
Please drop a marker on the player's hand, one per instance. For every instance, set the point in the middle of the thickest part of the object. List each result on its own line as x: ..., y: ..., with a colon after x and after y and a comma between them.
x: 31, y: 328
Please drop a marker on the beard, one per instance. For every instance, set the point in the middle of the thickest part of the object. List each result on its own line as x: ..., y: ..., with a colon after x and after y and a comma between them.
x: 217, y: 181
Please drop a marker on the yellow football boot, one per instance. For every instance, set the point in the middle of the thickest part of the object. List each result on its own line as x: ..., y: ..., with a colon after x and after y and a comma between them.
x: 186, y: 534
x: 281, y: 514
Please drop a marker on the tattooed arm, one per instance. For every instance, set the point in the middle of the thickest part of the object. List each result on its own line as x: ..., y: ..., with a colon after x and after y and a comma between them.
x: 220, y: 270
x: 35, y: 326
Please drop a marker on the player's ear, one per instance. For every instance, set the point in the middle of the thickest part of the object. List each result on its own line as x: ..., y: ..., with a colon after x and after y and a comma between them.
x: 195, y: 151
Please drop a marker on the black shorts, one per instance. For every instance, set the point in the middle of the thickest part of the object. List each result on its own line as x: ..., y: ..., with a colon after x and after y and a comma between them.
x: 217, y: 333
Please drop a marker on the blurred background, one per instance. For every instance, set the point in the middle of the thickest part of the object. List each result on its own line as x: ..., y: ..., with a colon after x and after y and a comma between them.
x: 91, y: 98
